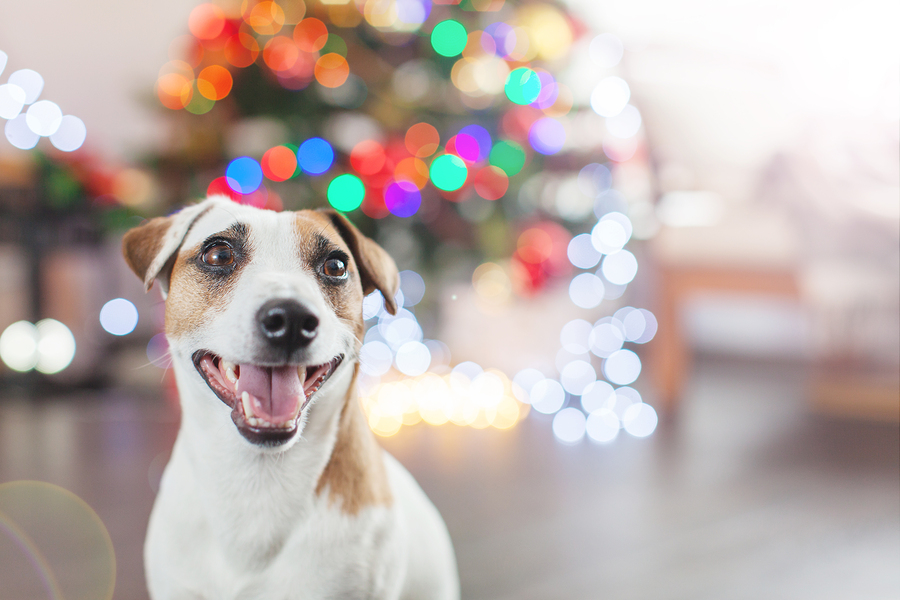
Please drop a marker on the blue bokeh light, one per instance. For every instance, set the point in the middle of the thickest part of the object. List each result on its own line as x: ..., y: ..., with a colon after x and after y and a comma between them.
x: 244, y: 175
x: 315, y: 156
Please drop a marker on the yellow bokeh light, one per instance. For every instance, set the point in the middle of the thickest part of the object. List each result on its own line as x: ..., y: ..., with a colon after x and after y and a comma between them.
x: 548, y: 30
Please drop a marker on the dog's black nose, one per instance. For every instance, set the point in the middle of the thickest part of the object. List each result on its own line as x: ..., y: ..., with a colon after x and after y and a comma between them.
x: 287, y: 323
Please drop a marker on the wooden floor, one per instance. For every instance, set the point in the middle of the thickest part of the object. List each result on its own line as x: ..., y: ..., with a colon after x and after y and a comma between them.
x: 746, y: 496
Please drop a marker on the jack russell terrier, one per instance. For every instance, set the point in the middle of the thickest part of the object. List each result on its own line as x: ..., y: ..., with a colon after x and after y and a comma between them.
x: 276, y: 488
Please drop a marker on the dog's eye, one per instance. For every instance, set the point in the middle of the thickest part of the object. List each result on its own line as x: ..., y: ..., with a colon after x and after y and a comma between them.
x: 334, y: 267
x: 219, y: 255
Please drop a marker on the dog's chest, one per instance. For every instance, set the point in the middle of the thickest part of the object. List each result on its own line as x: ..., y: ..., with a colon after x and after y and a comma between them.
x: 328, y: 555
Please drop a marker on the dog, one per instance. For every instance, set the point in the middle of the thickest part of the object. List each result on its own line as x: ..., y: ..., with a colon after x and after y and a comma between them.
x: 276, y: 488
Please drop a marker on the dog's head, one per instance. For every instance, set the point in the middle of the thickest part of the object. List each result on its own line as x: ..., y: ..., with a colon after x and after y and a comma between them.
x: 266, y: 306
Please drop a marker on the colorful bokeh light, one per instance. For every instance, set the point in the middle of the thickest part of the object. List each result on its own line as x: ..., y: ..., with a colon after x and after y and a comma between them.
x: 279, y: 163
x: 315, y: 156
x: 244, y: 175
x: 448, y: 172
x: 448, y: 38
x: 402, y: 198
x: 509, y: 156
x: 422, y: 140
x: 346, y: 192
x: 523, y: 86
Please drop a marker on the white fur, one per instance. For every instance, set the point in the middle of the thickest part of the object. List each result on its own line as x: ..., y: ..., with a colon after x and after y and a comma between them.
x: 237, y: 521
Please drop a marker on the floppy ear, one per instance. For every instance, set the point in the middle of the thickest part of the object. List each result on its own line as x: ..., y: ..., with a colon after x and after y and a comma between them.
x: 377, y: 269
x: 149, y: 247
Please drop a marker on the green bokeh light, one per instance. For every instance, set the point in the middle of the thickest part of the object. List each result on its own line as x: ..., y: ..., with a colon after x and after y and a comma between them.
x: 523, y: 86
x: 509, y: 156
x: 448, y: 38
x: 448, y: 172
x: 346, y: 192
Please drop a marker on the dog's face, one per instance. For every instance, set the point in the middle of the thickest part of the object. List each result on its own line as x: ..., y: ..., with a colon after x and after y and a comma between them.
x: 266, y: 306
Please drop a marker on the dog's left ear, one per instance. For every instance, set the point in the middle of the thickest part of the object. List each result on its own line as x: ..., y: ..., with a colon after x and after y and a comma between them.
x: 377, y: 269
x: 149, y: 247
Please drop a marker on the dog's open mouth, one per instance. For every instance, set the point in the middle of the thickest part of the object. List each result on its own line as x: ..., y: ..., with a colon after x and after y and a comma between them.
x: 265, y: 402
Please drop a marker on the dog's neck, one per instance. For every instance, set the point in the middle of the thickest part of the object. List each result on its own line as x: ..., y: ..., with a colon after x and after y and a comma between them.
x: 336, y: 460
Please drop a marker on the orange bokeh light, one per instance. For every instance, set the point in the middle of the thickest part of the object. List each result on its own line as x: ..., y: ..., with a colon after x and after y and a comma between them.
x: 266, y: 18
x: 214, y: 82
x: 310, y: 35
x: 491, y: 182
x: 422, y: 140
x: 174, y: 90
x: 332, y: 70
x: 281, y: 53
x: 206, y: 21
x: 413, y: 170
x: 535, y: 246
x: 279, y: 163
x: 241, y: 50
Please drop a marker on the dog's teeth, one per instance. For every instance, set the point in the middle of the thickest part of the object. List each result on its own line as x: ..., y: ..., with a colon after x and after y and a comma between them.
x: 248, y: 407
x: 229, y: 368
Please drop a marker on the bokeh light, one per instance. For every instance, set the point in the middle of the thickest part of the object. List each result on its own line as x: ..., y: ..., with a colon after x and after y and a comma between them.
x: 610, y: 96
x: 44, y: 118
x: 55, y: 347
x: 598, y: 395
x: 586, y: 290
x: 594, y: 179
x: 582, y: 253
x: 569, y: 425
x: 622, y: 367
x: 576, y: 376
x: 244, y: 175
x: 29, y: 81
x: 119, y: 316
x: 310, y: 35
x: 626, y: 124
x: 422, y: 140
x: 606, y: 50
x: 12, y: 100
x: 448, y: 172
x: 214, y: 82
x: 482, y: 138
x: 574, y: 336
x: 402, y: 198
x: 448, y: 38
x: 640, y: 420
x: 413, y: 287
x: 509, y: 156
x: 620, y: 268
x: 491, y: 182
x: 346, y: 192
x: 315, y: 156
x: 332, y: 70
x: 522, y: 86
x: 19, y: 134
x: 607, y: 336
x: 367, y: 157
x: 279, y: 163
x: 547, y: 136
x: 19, y: 346
x: 602, y: 425
x: 547, y: 396
x: 206, y: 21
x: 413, y: 358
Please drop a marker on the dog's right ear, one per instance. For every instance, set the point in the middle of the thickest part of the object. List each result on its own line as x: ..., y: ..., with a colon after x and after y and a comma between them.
x: 149, y: 247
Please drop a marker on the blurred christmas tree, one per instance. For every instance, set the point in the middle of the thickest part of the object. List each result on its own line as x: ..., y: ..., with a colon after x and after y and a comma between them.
x: 432, y: 114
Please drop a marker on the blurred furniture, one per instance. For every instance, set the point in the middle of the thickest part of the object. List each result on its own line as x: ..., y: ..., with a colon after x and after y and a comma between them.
x: 749, y: 253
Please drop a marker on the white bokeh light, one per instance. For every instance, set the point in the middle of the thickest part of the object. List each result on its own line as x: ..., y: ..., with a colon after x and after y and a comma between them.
x: 44, y: 117
x: 626, y: 397
x: 606, y: 50
x: 576, y: 376
x: 569, y: 425
x: 413, y: 287
x: 620, y: 268
x: 594, y: 179
x: 586, y: 290
x: 606, y: 338
x: 19, y: 135
x: 413, y: 358
x: 610, y: 96
x: 372, y: 306
x: 19, y: 346
x: 12, y: 99
x: 547, y: 396
x: 30, y: 81
x: 598, y: 395
x: 574, y: 336
x: 71, y: 134
x: 119, y: 316
x: 602, y: 425
x: 608, y: 236
x: 3, y: 59
x: 375, y: 358
x: 56, y: 346
x: 622, y: 367
x: 582, y: 253
x: 626, y: 124
x: 640, y: 420
x: 524, y: 381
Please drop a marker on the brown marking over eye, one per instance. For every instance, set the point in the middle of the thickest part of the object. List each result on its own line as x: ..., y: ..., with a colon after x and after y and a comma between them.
x: 195, y: 295
x: 344, y: 298
x: 355, y: 476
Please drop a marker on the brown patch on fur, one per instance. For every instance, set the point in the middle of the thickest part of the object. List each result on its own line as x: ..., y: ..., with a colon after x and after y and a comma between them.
x: 355, y: 475
x: 141, y: 244
x: 194, y: 295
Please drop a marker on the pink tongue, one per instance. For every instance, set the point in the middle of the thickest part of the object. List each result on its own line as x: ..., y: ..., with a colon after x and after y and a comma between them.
x: 278, y: 389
